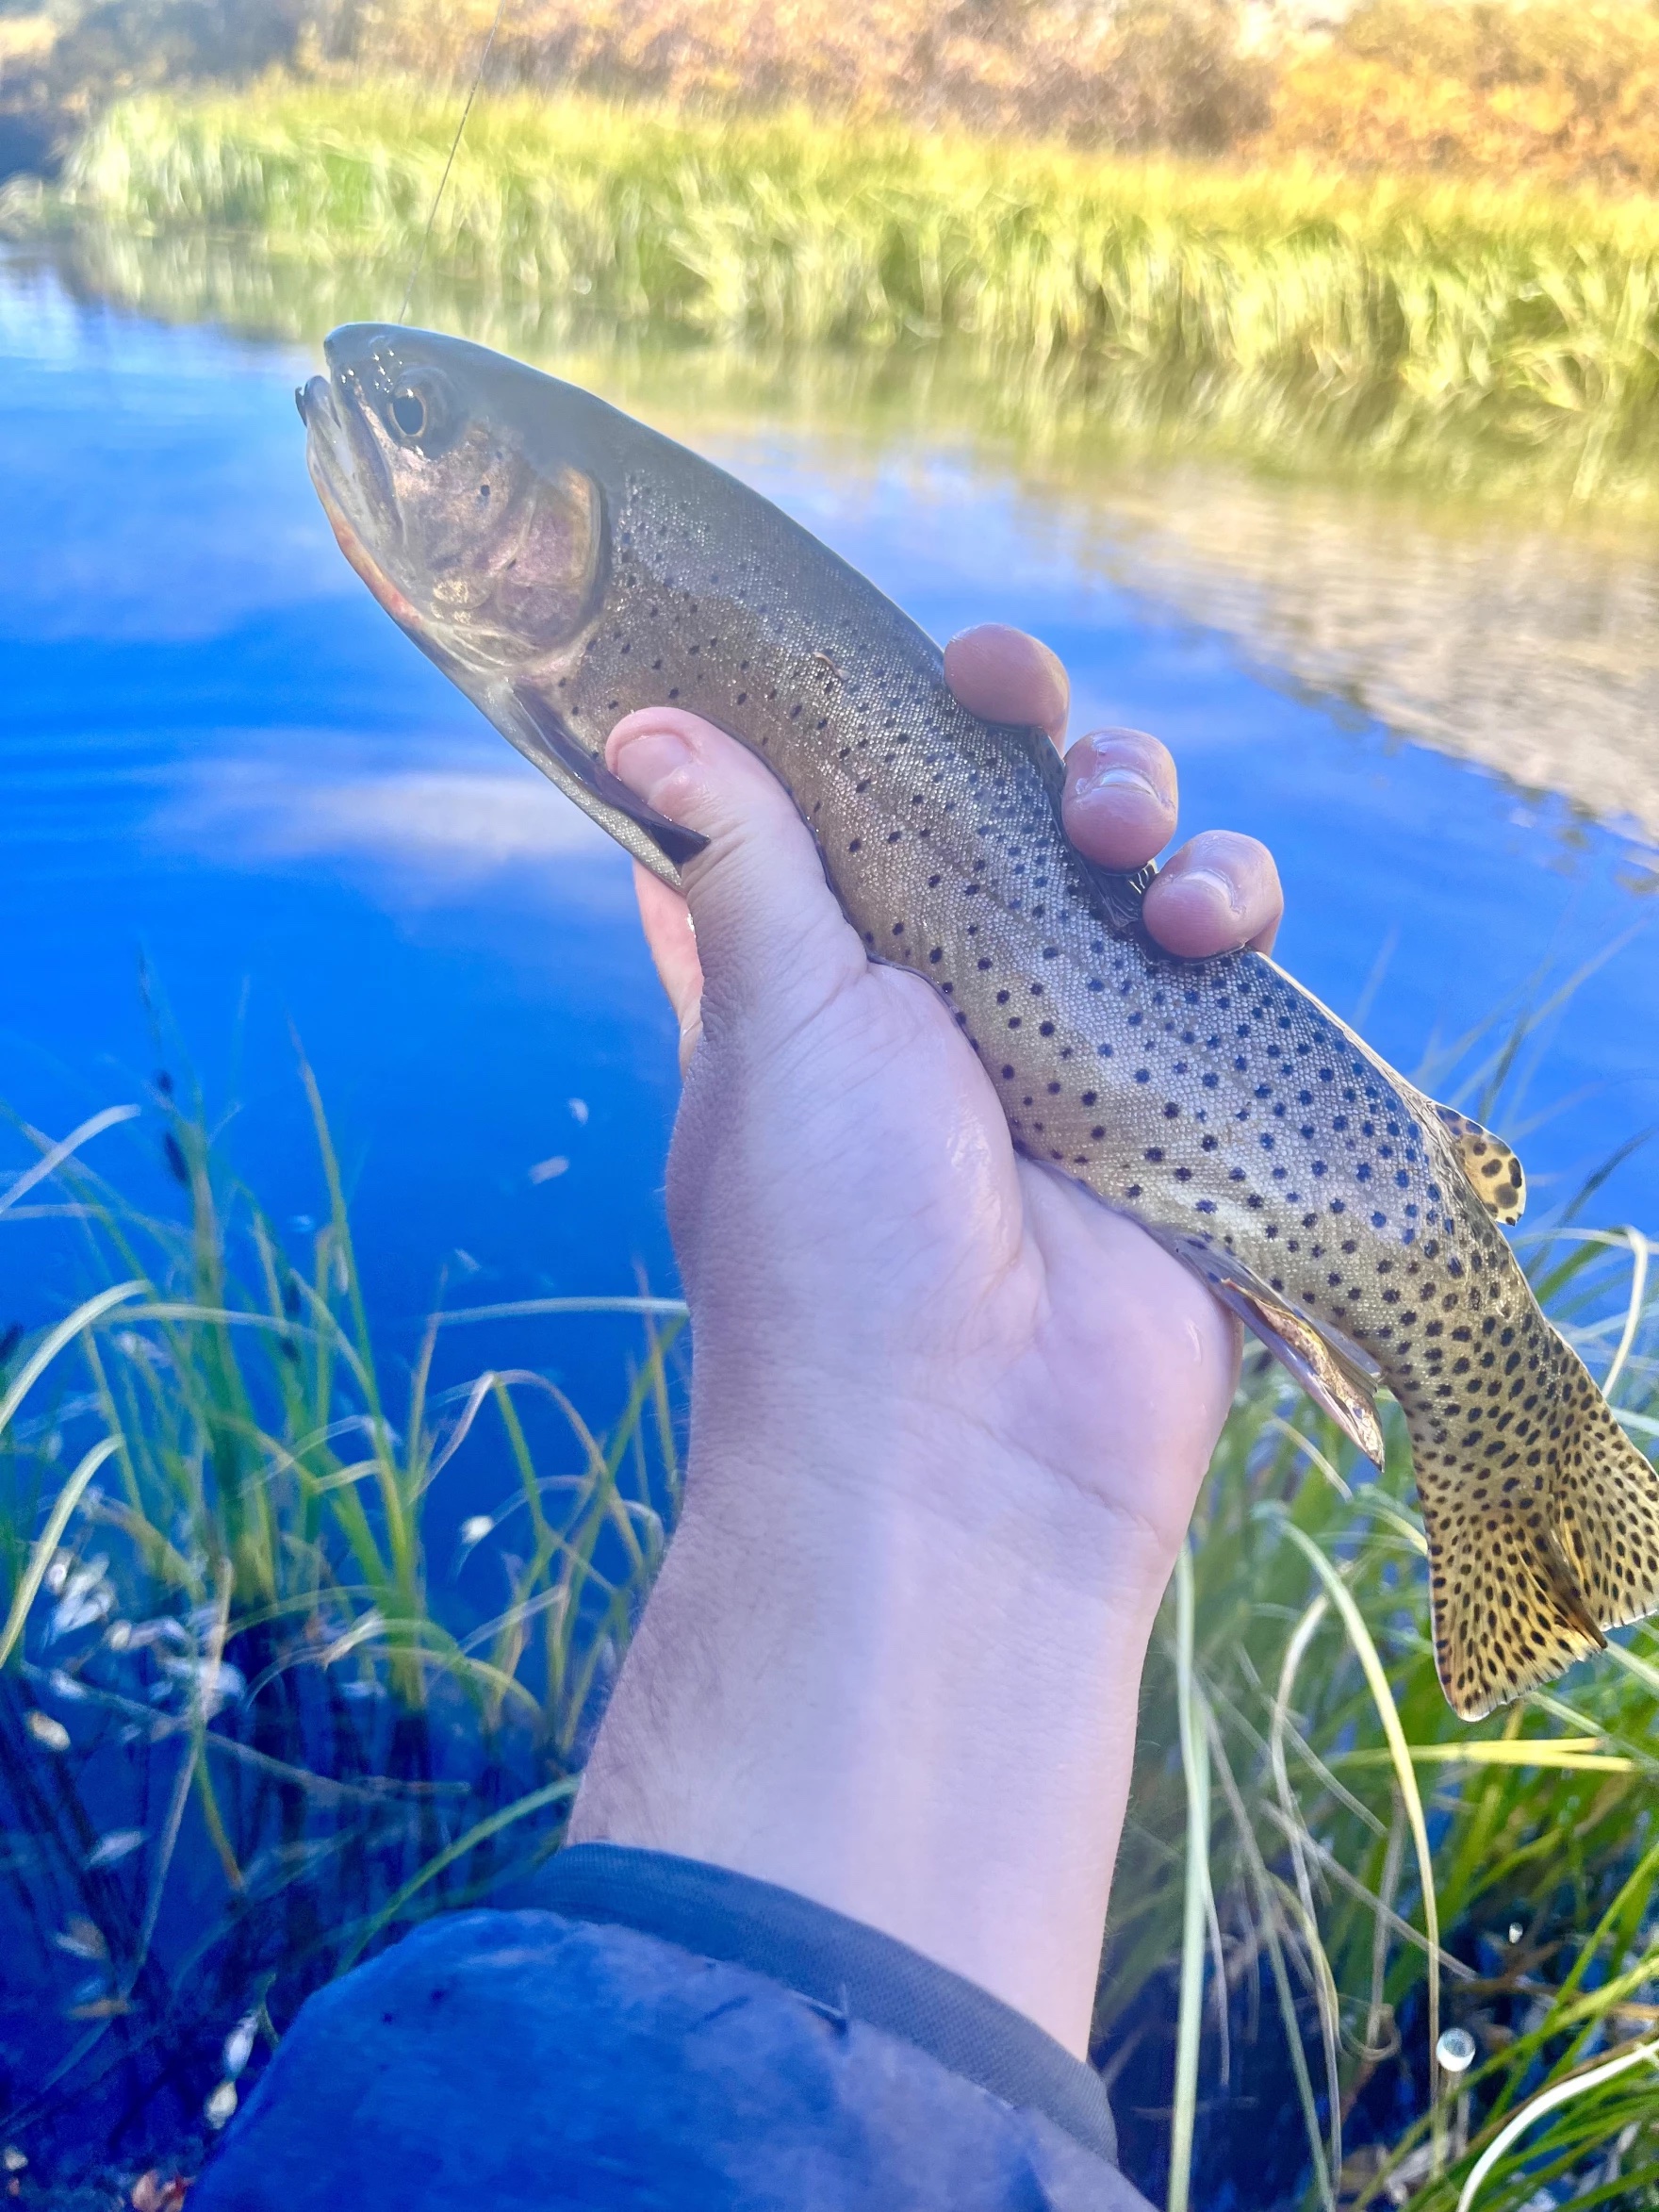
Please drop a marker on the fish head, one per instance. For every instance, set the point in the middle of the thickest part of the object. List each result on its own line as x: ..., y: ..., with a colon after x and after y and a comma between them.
x: 486, y: 547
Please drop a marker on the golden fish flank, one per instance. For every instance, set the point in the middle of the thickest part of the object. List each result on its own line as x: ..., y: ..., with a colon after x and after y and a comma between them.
x: 565, y: 564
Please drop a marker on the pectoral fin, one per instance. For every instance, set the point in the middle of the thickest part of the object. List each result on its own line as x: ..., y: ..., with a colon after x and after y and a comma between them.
x: 529, y: 723
x: 1494, y: 1173
x: 1337, y: 1377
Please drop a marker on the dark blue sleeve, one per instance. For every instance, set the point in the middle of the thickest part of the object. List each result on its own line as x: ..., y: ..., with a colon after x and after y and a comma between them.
x: 563, y: 2056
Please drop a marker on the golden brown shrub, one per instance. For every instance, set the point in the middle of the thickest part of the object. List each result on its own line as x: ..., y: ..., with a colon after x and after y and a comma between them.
x: 1141, y: 72
x: 1532, y: 87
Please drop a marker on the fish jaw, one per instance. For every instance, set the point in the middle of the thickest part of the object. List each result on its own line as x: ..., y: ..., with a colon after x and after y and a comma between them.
x: 335, y: 461
x: 353, y: 485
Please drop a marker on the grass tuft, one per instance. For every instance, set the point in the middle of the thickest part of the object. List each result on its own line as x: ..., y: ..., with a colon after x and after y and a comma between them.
x: 250, y: 1725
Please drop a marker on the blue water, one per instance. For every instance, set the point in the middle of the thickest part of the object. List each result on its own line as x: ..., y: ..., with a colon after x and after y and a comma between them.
x: 219, y: 756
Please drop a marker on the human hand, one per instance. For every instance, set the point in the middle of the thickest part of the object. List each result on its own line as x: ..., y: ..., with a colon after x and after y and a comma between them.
x: 949, y: 1412
x: 864, y: 1253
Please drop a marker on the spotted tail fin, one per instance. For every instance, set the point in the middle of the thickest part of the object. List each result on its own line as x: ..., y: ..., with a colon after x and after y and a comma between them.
x: 1543, y: 1528
x: 1606, y: 1507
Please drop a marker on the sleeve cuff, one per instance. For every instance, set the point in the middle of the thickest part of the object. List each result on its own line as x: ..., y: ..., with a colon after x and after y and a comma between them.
x: 842, y: 1966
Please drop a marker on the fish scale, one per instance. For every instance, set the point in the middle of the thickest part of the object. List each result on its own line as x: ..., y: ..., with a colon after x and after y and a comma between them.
x: 566, y: 566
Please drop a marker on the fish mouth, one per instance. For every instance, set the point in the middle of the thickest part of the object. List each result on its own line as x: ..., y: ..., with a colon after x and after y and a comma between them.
x: 351, y: 480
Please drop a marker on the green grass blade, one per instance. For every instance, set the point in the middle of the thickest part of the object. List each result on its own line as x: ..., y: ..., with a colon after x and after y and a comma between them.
x: 54, y: 1157
x: 92, y: 1309
x: 1199, y: 1906
x: 41, y: 1558
x: 521, y: 1809
x: 1549, y: 2100
x: 1404, y: 1774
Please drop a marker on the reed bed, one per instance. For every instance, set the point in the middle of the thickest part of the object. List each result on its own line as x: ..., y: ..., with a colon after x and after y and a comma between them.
x: 1286, y: 306
x: 253, y: 1725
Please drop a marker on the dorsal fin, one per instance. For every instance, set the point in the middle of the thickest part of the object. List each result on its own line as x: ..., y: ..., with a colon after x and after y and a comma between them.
x: 1494, y: 1173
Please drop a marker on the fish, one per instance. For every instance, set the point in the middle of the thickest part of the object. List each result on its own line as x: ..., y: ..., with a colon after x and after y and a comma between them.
x: 563, y: 565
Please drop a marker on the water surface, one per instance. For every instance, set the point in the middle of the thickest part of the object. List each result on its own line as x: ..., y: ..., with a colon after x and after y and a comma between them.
x: 222, y: 761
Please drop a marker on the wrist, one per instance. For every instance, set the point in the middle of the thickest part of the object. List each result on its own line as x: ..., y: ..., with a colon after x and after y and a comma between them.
x: 849, y: 1467
x: 903, y: 1682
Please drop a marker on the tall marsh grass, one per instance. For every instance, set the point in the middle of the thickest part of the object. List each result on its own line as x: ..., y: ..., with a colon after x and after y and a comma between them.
x: 1471, y: 328
x: 257, y: 1716
x: 251, y: 1721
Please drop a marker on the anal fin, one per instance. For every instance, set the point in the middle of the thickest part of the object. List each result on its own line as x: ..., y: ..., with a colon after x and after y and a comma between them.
x: 1335, y: 1386
x: 1333, y: 1376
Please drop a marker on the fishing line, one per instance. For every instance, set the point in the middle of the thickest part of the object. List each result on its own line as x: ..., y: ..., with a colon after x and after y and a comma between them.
x: 455, y: 149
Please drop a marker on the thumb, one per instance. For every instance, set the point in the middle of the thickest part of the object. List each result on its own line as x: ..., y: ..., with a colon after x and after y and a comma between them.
x: 770, y: 934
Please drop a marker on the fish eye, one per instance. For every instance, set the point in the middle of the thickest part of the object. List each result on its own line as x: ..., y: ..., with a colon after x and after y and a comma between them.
x: 418, y: 410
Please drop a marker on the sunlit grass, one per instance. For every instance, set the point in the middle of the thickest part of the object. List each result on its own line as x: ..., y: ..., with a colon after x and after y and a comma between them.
x: 1485, y: 326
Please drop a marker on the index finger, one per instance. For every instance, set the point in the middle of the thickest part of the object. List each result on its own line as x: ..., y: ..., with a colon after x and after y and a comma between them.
x: 1006, y: 675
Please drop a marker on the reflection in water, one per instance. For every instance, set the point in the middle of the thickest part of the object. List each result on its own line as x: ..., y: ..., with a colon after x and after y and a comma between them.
x: 440, y: 829
x: 1254, y: 400
x: 1530, y: 649
x: 220, y: 751
x: 1492, y: 629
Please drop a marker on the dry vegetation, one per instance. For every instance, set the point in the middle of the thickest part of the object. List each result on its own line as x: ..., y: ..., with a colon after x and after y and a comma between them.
x: 1546, y: 90
x: 1503, y: 89
x: 1495, y: 88
x: 1137, y: 73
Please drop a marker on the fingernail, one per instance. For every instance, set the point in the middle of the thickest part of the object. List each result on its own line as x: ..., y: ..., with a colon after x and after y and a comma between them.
x: 1217, y: 882
x: 1117, y: 776
x: 645, y: 759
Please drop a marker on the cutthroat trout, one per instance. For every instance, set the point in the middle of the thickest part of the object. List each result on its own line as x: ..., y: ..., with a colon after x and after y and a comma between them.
x: 562, y: 565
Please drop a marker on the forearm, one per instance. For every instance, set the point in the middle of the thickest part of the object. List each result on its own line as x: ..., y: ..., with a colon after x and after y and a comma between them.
x: 899, y: 1677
